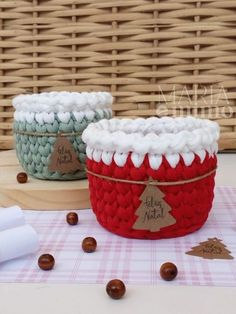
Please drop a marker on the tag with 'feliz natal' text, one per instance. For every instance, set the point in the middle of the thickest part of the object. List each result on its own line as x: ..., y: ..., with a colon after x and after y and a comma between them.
x: 63, y: 158
x: 153, y: 213
x: 211, y: 249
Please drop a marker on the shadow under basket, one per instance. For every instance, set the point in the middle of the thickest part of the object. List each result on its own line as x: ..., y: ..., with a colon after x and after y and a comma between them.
x: 136, y: 198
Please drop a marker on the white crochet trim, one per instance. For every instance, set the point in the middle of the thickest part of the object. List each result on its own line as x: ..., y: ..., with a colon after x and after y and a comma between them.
x: 171, y: 137
x: 62, y: 102
x: 49, y: 117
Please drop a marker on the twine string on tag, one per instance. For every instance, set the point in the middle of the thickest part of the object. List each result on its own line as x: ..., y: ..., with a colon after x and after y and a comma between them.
x: 153, y: 182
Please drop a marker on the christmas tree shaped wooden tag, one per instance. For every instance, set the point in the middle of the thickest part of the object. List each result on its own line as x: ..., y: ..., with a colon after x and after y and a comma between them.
x: 153, y: 213
x: 211, y: 249
x: 63, y: 158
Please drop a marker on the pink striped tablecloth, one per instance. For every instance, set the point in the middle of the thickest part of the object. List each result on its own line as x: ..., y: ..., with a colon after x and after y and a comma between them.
x: 134, y: 261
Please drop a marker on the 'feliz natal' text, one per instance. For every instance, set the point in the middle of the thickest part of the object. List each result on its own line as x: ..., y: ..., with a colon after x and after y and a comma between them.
x: 154, y: 209
x: 64, y: 155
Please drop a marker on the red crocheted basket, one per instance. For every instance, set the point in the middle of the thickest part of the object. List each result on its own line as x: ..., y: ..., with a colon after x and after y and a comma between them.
x: 152, y: 178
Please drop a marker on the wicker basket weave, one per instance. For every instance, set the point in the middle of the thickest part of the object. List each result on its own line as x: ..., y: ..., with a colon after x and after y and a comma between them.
x: 162, y: 57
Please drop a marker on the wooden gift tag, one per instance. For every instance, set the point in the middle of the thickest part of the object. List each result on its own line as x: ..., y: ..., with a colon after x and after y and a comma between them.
x: 153, y: 212
x: 63, y: 158
x: 211, y: 249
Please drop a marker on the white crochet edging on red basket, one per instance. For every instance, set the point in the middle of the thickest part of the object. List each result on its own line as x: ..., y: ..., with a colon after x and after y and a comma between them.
x: 157, y: 137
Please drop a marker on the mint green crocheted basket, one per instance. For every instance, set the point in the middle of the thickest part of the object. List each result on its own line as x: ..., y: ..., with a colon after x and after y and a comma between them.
x: 34, y: 151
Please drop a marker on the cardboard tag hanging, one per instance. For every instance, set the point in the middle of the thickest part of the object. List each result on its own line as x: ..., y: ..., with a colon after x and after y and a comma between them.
x: 153, y: 213
x: 211, y: 249
x: 63, y: 158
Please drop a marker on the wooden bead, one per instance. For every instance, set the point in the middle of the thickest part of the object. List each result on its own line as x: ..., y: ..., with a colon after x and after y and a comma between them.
x: 72, y: 218
x: 168, y: 271
x: 89, y: 245
x: 46, y: 262
x: 22, y: 177
x: 115, y: 289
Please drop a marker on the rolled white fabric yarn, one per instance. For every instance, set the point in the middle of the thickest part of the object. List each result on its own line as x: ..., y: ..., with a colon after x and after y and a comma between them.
x: 11, y: 217
x: 17, y: 242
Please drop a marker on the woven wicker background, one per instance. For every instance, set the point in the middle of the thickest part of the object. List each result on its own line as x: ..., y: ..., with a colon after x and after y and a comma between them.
x: 162, y: 57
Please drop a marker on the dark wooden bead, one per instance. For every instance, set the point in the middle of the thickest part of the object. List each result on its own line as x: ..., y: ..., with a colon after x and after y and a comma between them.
x: 22, y: 177
x: 168, y: 271
x: 46, y: 262
x: 72, y: 218
x: 89, y: 245
x: 115, y: 289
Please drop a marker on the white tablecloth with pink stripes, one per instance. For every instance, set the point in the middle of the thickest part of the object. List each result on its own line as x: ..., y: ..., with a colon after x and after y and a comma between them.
x: 133, y: 261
